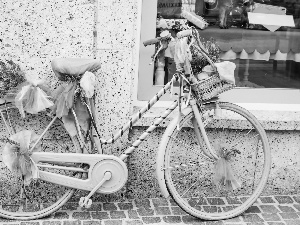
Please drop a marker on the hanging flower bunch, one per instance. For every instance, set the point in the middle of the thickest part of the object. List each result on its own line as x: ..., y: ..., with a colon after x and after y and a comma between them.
x: 17, y: 154
x: 72, y: 95
x: 10, y: 76
x: 225, y: 176
x: 178, y: 25
x: 198, y: 61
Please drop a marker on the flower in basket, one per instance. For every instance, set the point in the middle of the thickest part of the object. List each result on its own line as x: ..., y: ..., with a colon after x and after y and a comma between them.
x: 11, y: 76
x: 225, y: 71
x: 199, y: 61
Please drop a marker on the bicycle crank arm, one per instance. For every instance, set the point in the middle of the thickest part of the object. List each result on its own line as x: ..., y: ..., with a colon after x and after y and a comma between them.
x: 86, y: 201
x: 99, y: 165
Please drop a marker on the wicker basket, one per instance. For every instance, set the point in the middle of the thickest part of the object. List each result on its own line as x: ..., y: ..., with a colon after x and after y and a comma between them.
x: 210, y: 87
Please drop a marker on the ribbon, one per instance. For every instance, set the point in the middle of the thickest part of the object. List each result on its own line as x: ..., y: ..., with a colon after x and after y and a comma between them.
x: 32, y: 98
x: 87, y: 83
x: 83, y: 118
x: 16, y: 155
x: 182, y: 79
x: 67, y: 99
x: 224, y: 175
x: 64, y: 99
x: 179, y: 103
x: 182, y: 51
x: 162, y: 46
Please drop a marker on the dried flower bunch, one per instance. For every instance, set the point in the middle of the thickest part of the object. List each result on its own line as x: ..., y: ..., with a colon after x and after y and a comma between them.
x: 179, y: 25
x: 10, y: 76
x: 198, y: 60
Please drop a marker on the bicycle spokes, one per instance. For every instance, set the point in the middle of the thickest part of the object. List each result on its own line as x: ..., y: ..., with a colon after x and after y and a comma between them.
x: 213, y: 187
x: 15, y: 197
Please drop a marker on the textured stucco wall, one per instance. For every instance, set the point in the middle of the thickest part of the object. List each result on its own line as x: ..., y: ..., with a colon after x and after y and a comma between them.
x: 116, y: 48
x: 284, y: 176
x: 34, y: 32
x: 117, y: 27
x: 285, y: 171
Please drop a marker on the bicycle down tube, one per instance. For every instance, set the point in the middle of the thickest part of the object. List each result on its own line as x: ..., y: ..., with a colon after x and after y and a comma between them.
x: 138, y: 115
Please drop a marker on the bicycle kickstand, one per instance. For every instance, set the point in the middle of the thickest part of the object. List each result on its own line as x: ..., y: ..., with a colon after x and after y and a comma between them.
x: 86, y: 201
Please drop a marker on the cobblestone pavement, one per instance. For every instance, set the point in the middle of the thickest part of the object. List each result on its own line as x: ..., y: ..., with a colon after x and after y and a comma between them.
x: 271, y: 210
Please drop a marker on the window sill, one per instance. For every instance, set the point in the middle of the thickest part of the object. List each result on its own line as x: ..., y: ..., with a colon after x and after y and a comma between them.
x: 270, y: 119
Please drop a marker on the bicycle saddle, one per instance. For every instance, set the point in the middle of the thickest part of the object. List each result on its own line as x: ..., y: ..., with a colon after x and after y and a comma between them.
x: 73, y: 66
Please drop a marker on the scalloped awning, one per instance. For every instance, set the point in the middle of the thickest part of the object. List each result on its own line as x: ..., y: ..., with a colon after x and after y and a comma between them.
x: 237, y: 40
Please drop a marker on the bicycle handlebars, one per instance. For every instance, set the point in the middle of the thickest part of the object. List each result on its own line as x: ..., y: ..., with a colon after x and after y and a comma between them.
x: 152, y: 41
x: 184, y: 33
x: 155, y: 40
x: 180, y: 34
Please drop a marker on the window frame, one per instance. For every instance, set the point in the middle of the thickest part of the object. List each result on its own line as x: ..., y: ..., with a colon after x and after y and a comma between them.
x: 281, y: 99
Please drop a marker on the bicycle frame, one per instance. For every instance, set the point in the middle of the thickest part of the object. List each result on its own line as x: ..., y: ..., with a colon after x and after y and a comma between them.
x: 65, y: 159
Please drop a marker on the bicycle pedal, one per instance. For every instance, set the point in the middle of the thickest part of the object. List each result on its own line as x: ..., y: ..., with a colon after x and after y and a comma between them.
x: 85, y: 202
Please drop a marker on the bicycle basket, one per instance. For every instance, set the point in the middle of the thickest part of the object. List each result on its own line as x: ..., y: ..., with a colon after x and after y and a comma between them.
x: 210, y: 87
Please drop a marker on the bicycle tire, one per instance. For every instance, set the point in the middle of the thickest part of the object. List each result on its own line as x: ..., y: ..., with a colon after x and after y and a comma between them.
x: 189, y: 174
x: 41, y: 198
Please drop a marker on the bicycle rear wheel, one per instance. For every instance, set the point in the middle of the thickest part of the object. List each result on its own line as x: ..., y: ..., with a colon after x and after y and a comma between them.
x: 40, y: 198
x: 190, y: 173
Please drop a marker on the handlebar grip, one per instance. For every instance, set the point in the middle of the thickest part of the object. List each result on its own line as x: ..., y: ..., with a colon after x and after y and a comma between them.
x: 184, y: 33
x: 151, y: 41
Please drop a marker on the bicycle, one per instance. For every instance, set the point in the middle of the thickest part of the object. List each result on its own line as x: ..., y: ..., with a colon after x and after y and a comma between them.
x: 186, y: 159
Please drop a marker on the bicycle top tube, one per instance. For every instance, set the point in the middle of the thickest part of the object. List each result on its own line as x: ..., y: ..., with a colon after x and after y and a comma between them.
x: 139, y: 114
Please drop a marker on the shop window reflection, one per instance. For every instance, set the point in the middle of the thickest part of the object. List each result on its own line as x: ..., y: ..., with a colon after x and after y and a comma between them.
x: 264, y: 59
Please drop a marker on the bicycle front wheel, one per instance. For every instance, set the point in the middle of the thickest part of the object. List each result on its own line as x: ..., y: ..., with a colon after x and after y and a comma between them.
x: 40, y: 198
x: 192, y: 175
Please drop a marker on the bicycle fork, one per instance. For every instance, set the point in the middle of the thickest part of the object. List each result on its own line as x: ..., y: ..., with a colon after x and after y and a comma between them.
x: 197, y: 122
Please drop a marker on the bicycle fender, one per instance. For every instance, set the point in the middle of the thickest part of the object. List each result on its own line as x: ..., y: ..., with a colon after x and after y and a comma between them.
x: 161, y: 154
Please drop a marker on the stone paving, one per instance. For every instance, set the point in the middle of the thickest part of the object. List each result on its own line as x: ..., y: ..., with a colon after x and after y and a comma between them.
x: 269, y: 210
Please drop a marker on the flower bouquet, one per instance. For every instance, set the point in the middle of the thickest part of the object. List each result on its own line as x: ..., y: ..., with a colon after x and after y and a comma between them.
x: 10, y: 77
x: 210, y: 77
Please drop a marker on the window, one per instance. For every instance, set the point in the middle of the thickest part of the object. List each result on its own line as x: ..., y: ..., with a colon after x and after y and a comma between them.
x: 268, y: 61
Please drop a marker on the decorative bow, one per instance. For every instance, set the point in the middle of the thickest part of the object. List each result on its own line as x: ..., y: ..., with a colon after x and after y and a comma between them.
x: 32, y: 98
x: 70, y: 97
x: 16, y: 154
x: 224, y: 175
